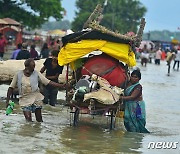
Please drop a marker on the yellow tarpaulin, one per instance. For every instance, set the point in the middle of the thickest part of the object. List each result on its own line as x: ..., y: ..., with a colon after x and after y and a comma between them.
x: 74, y: 51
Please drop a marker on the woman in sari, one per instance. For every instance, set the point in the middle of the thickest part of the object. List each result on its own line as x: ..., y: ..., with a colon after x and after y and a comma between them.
x: 134, y: 115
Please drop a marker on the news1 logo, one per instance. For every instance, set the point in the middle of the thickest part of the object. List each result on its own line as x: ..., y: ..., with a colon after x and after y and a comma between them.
x: 163, y: 145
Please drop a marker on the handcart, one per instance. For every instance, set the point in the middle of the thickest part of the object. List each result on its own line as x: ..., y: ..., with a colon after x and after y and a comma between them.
x: 95, y: 110
x: 84, y: 94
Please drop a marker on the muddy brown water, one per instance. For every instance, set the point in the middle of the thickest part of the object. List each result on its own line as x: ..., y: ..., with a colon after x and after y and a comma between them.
x: 56, y: 136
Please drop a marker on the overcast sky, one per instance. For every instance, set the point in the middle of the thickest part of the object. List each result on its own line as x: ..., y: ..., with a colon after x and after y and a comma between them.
x: 160, y: 15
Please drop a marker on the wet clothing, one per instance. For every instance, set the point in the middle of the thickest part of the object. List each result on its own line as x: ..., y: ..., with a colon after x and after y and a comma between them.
x: 23, y: 54
x: 29, y: 94
x: 135, y: 114
x: 50, y: 93
x: 31, y: 108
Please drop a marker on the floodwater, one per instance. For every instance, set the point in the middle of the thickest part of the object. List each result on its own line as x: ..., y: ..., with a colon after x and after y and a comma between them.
x: 56, y: 136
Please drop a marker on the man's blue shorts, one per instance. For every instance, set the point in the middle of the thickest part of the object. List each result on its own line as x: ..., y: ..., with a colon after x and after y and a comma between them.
x: 31, y: 108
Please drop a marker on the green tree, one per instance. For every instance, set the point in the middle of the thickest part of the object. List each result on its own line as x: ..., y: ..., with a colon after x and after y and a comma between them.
x: 118, y: 15
x: 164, y: 35
x: 31, y: 13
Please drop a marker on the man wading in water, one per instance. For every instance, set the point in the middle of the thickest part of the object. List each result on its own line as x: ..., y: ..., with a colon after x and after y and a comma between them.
x: 30, y: 98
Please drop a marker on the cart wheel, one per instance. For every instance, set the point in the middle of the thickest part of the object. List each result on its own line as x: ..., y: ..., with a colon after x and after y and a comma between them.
x: 76, y: 117
x: 112, y: 122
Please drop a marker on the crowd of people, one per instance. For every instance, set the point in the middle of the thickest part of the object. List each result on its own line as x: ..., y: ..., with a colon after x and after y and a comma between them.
x: 28, y: 49
x: 22, y: 51
x: 158, y: 54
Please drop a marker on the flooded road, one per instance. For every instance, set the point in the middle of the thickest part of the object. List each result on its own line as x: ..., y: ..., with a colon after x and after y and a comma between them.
x: 56, y: 136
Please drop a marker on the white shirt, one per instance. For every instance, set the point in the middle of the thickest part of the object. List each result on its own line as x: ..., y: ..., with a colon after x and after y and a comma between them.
x: 29, y: 97
x: 177, y: 56
x: 158, y: 54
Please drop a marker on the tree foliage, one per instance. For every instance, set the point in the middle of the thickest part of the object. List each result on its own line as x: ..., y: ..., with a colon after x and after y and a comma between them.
x: 118, y: 15
x: 31, y: 13
x: 164, y: 35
